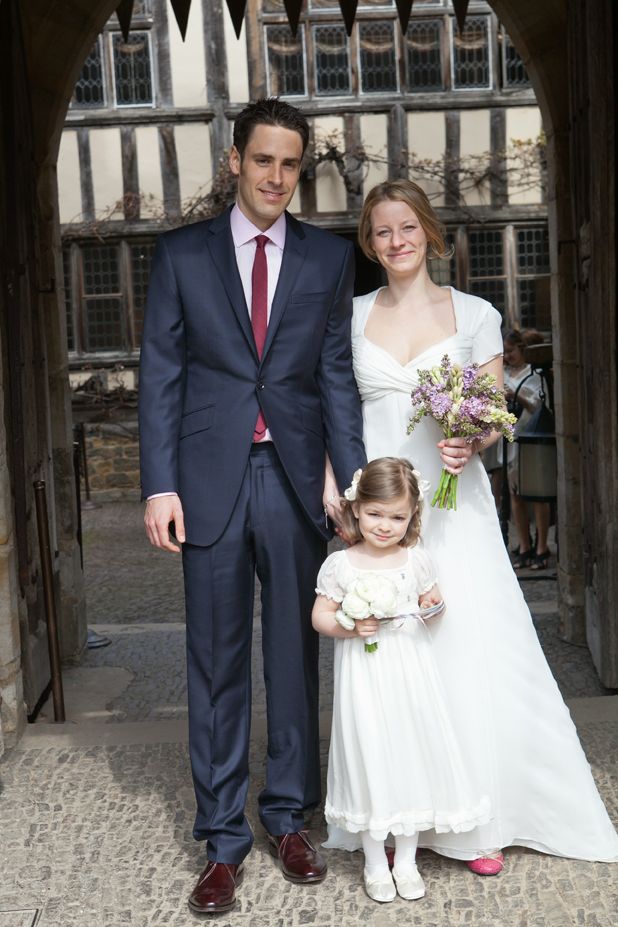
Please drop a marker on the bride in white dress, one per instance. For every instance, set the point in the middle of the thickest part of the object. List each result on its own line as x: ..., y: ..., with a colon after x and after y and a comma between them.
x: 520, y: 745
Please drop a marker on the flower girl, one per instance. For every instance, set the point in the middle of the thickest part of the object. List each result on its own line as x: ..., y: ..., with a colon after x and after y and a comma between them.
x: 394, y: 765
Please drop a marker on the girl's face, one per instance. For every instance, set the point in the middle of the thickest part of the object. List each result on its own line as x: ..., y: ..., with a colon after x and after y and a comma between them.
x: 398, y: 238
x: 513, y: 355
x: 383, y: 524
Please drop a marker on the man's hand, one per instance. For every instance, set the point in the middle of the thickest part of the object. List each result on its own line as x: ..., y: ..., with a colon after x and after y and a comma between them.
x: 159, y: 513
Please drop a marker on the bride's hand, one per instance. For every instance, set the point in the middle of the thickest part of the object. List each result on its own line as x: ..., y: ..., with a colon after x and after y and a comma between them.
x: 455, y: 454
x: 330, y: 496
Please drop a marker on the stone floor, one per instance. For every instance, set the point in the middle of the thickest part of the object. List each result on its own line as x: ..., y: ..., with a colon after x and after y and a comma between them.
x: 96, y: 814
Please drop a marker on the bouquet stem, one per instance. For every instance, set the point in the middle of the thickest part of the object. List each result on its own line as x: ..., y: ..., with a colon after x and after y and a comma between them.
x: 446, y: 494
x: 371, y: 646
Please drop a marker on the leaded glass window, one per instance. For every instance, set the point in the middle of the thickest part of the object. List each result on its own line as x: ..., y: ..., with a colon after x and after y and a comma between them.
x: 423, y: 43
x: 132, y: 69
x: 141, y: 258
x: 332, y: 68
x: 378, y: 65
x: 471, y: 53
x: 68, y: 302
x: 102, y: 299
x: 90, y: 87
x: 533, y: 291
x: 286, y: 61
x: 514, y: 71
x: 486, y: 266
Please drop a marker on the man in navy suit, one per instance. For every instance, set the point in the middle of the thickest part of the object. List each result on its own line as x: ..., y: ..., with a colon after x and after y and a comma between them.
x: 246, y: 384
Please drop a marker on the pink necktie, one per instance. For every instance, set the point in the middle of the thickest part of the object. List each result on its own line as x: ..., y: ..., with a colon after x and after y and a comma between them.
x: 259, y: 313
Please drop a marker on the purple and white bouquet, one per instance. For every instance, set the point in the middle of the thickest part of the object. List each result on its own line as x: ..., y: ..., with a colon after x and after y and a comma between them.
x: 466, y: 404
x: 368, y: 595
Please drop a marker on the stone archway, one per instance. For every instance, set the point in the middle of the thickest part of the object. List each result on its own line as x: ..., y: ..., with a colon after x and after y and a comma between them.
x: 56, y: 39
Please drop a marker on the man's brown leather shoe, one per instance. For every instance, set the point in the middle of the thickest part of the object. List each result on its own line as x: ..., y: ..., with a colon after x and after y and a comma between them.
x: 299, y: 860
x: 216, y: 888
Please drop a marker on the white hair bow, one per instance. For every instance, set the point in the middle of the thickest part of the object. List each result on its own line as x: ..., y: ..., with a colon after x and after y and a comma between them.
x: 350, y: 492
x: 423, y: 485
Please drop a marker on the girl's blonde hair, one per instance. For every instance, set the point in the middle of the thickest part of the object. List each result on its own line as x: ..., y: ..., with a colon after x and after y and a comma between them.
x: 404, y: 191
x: 384, y: 479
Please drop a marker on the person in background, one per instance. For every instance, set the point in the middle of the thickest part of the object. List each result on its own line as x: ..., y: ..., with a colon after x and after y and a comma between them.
x: 521, y: 382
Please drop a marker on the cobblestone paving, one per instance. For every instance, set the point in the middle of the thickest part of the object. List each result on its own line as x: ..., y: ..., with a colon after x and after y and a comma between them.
x: 96, y: 823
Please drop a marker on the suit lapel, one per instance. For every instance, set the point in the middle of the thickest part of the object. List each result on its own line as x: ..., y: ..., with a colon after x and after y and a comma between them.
x: 221, y: 246
x: 293, y: 258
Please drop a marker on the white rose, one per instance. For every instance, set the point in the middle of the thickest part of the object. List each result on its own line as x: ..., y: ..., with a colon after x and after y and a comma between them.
x: 366, y: 586
x: 355, y: 607
x: 384, y: 601
x: 344, y: 621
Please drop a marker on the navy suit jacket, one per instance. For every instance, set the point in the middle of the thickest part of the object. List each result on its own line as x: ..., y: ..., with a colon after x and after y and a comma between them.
x: 202, y: 383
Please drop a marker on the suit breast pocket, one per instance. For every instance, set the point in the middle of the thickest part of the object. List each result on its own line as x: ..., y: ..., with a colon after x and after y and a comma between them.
x: 199, y: 420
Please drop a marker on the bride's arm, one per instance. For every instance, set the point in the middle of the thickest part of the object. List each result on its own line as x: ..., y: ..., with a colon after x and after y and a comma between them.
x: 456, y: 452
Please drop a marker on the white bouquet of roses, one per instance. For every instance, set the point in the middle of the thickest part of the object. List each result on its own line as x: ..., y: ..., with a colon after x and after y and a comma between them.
x: 366, y: 596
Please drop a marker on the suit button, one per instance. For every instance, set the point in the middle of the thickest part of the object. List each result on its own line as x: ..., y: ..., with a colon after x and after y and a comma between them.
x: 260, y: 384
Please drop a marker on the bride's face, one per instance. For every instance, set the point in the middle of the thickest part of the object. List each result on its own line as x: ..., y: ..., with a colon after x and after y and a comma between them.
x: 398, y: 238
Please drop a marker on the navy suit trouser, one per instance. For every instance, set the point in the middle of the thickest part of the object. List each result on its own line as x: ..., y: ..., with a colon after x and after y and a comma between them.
x: 269, y: 535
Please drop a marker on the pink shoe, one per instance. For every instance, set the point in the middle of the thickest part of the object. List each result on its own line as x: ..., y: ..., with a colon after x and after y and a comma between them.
x: 486, y: 865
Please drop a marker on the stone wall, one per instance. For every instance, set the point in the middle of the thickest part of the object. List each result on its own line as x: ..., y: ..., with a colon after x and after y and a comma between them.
x: 112, y: 453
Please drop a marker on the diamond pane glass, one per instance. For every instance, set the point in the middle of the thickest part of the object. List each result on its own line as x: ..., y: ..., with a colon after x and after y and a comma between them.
x: 377, y: 57
x: 534, y: 303
x: 103, y: 324
x: 442, y: 271
x: 494, y: 291
x: 332, y: 71
x: 100, y: 268
x: 141, y: 257
x: 132, y: 72
x: 285, y: 61
x: 485, y: 252
x: 515, y: 74
x: 68, y: 305
x: 471, y: 53
x: 533, y: 251
x: 90, y: 90
x: 424, y: 53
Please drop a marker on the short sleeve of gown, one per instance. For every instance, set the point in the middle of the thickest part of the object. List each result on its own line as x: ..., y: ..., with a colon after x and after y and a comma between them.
x: 328, y: 581
x: 424, y: 570
x: 487, y: 340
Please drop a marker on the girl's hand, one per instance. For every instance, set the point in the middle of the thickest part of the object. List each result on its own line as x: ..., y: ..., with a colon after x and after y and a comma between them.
x: 367, y: 627
x: 455, y: 454
x: 433, y: 597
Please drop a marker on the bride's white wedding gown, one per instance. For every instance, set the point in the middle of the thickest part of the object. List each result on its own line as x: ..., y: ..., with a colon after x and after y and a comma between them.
x: 519, y: 743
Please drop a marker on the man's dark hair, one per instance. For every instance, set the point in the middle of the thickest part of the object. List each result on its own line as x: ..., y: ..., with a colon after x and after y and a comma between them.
x: 268, y: 112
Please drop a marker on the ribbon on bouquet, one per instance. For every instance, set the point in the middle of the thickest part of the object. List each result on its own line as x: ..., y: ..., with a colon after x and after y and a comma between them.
x: 421, y: 614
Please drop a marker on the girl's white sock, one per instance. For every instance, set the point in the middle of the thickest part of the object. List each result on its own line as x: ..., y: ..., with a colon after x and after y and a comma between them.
x: 405, y: 851
x: 376, y: 863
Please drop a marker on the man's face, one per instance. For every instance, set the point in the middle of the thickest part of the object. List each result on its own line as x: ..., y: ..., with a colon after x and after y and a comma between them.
x: 267, y: 173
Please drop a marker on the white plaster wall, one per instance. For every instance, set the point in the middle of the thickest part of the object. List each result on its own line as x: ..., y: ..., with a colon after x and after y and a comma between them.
x: 330, y: 189
x: 106, y: 160
x: 522, y: 123
x: 187, y: 60
x: 194, y: 159
x: 475, y: 140
x: 373, y: 128
x: 427, y: 141
x: 237, y: 67
x: 69, y: 192
x: 149, y: 170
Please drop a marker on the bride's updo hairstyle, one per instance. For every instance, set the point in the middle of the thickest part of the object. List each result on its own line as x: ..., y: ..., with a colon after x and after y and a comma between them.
x: 383, y: 480
x: 404, y: 191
